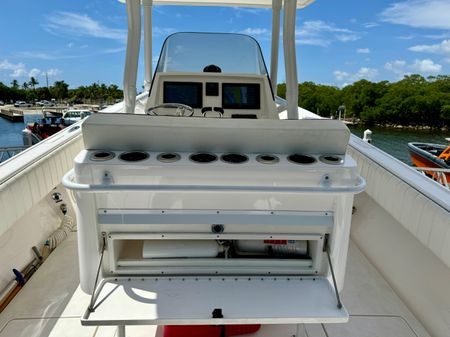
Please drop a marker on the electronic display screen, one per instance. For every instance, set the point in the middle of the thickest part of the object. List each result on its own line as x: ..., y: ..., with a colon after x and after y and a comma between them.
x: 189, y: 93
x: 240, y: 96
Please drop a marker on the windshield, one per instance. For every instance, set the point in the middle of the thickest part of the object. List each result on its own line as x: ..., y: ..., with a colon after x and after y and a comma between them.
x: 192, y: 52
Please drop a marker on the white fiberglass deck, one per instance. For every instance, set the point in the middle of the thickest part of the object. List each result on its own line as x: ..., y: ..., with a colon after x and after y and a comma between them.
x: 52, y: 305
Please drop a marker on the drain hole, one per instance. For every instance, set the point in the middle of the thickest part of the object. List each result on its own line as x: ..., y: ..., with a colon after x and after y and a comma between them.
x: 102, y: 156
x: 203, y: 158
x: 134, y: 156
x: 267, y: 159
x: 168, y: 157
x: 301, y: 159
x: 334, y: 160
x: 234, y: 158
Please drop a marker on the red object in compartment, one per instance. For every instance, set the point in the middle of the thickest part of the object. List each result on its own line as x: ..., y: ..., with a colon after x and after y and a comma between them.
x: 276, y: 242
x: 208, y: 330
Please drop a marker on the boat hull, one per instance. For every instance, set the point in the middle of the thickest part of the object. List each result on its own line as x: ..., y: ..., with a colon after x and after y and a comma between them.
x: 422, y: 155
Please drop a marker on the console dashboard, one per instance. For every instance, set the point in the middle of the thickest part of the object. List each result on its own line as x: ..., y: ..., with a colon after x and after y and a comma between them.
x: 213, y: 95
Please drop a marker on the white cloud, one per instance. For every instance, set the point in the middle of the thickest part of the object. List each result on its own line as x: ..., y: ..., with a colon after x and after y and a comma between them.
x: 74, y: 24
x: 6, y: 65
x: 402, y: 68
x: 439, y: 48
x: 321, y: 33
x: 160, y: 31
x: 367, y: 73
x: 35, y: 72
x: 426, y: 66
x: 370, y: 24
x: 18, y: 69
x: 347, y: 37
x: 238, y: 11
x: 109, y: 51
x: 419, y: 13
x: 255, y: 31
x: 440, y: 36
x: 340, y: 75
x: 362, y: 73
x: 397, y: 67
x: 53, y: 72
x: 62, y: 55
x: 18, y: 73
x: 363, y: 51
x: 313, y: 42
x: 406, y: 37
x: 182, y: 15
x: 56, y: 55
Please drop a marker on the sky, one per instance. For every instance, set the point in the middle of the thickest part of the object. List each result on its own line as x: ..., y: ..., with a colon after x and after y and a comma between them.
x: 338, y: 41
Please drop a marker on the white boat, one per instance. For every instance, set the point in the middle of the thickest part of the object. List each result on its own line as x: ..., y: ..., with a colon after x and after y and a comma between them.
x: 72, y: 116
x: 213, y: 211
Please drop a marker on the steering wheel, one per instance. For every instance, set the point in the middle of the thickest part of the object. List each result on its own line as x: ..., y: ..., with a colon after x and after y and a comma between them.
x: 181, y: 109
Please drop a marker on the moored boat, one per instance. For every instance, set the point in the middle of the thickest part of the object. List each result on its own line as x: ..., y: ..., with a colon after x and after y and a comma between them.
x: 72, y: 116
x: 430, y: 156
x: 38, y: 131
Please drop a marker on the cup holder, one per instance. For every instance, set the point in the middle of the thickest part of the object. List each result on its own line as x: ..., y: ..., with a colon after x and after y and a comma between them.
x: 168, y: 157
x: 203, y: 158
x: 301, y: 159
x: 267, y: 159
x: 234, y: 158
x: 134, y: 156
x: 331, y: 159
x: 102, y: 156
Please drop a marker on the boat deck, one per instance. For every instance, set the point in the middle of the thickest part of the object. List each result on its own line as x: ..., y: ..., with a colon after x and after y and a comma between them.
x: 51, y: 304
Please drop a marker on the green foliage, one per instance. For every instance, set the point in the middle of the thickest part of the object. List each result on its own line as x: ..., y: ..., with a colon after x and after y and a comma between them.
x: 60, y: 90
x: 414, y: 100
x: 321, y: 99
x: 445, y: 114
x: 93, y: 94
x: 33, y: 83
x: 96, y: 93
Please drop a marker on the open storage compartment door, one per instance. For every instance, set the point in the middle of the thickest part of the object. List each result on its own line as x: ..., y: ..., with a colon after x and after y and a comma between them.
x: 157, y: 280
x: 202, y: 300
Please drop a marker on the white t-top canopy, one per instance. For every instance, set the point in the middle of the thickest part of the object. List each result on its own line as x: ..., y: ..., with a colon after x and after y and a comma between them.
x: 234, y: 3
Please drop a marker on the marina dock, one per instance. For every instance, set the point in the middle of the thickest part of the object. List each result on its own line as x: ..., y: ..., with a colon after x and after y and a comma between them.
x: 12, y: 114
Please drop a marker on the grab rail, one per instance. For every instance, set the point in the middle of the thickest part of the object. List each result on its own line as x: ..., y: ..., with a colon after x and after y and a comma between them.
x: 69, y: 183
x: 437, y: 174
x: 9, y: 152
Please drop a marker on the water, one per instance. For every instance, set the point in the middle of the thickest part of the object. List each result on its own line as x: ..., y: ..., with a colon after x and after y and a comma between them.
x: 394, y: 141
x: 11, y: 133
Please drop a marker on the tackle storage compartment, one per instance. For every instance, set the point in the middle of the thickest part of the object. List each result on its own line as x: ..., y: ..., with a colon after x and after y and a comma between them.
x: 228, y: 243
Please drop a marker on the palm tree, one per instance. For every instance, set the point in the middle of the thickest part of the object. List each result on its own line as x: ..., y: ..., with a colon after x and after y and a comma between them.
x: 15, y: 84
x: 25, y: 85
x: 60, y: 90
x: 33, y: 82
